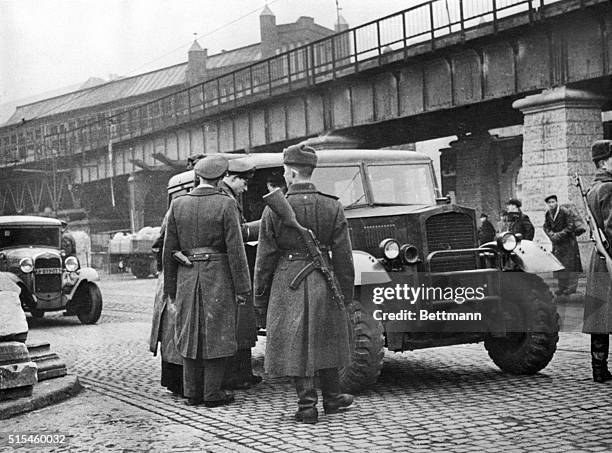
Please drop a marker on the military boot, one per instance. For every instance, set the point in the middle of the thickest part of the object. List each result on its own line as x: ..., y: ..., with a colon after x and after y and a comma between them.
x: 600, y: 344
x: 333, y: 400
x: 307, y: 400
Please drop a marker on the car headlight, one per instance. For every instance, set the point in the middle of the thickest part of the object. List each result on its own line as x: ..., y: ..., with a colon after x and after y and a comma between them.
x: 409, y: 253
x: 26, y: 265
x: 71, y: 264
x: 390, y: 248
x: 507, y: 241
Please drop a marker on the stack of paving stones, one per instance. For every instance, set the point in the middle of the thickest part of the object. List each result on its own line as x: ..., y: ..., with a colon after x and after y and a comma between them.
x: 49, y: 364
x: 18, y: 373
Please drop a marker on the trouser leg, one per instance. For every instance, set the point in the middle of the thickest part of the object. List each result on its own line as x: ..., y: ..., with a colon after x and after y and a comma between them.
x: 172, y: 377
x: 572, y: 282
x: 600, y: 345
x: 562, y: 278
x: 193, y: 379
x: 333, y: 400
x: 213, y: 378
x: 307, y: 400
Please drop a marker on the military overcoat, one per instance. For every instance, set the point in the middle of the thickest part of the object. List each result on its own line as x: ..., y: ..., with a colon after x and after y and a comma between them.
x: 559, y: 227
x: 246, y: 325
x: 205, y: 293
x: 598, y: 297
x: 306, y: 331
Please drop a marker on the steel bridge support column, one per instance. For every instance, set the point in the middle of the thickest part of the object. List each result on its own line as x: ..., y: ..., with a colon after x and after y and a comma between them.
x: 559, y: 127
x: 138, y: 186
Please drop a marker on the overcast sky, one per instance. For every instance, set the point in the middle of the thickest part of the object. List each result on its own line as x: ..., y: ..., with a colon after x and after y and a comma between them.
x: 50, y: 44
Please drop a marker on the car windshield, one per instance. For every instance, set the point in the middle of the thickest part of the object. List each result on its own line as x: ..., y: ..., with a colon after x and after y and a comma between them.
x: 401, y: 184
x: 343, y: 182
x: 29, y: 236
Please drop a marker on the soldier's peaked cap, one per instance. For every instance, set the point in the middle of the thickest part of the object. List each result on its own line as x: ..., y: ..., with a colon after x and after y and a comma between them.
x: 300, y: 155
x: 242, y: 167
x: 601, y: 149
x: 550, y: 197
x: 515, y: 202
x: 211, y: 167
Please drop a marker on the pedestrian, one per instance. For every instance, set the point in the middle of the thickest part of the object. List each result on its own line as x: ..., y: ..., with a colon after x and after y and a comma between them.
x: 274, y: 181
x: 516, y: 222
x: 598, y: 296
x: 162, y: 327
x: 486, y: 231
x: 239, y: 371
x: 559, y: 226
x: 307, y: 333
x: 203, y: 234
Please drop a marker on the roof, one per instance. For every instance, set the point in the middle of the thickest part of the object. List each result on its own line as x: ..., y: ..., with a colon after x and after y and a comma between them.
x: 28, y: 220
x: 328, y: 157
x: 266, y: 11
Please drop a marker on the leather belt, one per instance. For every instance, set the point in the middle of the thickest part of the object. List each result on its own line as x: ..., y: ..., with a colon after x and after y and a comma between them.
x: 204, y: 254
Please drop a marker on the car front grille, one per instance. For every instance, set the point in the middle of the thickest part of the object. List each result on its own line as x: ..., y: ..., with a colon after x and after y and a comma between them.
x: 48, y: 275
x: 451, y: 231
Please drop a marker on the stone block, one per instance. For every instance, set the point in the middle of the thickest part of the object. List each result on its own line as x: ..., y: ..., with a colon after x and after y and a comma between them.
x: 7, y: 283
x: 584, y: 114
x: 13, y: 320
x: 18, y: 375
x: 13, y: 352
x: 16, y: 393
x: 555, y: 156
x: 592, y: 128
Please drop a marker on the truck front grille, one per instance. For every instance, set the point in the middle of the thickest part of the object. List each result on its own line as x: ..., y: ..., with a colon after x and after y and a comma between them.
x: 451, y: 231
x: 374, y: 234
x: 47, y: 278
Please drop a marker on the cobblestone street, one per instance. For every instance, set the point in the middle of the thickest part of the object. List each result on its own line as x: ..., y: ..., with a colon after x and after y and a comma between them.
x: 444, y: 399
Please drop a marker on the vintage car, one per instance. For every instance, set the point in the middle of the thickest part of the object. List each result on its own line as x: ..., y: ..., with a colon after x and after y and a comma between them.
x: 49, y: 279
x: 405, y: 235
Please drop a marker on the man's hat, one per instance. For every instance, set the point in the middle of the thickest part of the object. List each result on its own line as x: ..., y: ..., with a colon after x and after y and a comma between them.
x: 300, y: 155
x: 551, y: 197
x: 515, y: 202
x: 241, y: 167
x: 211, y: 167
x: 601, y: 149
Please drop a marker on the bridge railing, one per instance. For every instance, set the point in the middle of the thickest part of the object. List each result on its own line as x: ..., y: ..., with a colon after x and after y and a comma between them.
x: 338, y: 55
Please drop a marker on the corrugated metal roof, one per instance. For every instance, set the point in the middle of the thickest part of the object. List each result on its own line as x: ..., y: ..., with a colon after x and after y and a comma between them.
x: 242, y: 55
x: 102, y: 94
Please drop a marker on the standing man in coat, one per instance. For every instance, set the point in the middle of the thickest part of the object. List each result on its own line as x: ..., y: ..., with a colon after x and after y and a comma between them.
x: 486, y: 231
x: 516, y: 221
x: 307, y: 332
x: 598, y: 297
x: 212, y: 277
x: 559, y: 227
x: 239, y: 372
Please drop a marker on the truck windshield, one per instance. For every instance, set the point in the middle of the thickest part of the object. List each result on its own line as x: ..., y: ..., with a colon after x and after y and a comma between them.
x: 401, y: 184
x: 343, y: 182
x: 24, y: 236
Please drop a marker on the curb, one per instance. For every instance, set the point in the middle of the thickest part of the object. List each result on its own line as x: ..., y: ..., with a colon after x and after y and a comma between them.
x: 45, y: 393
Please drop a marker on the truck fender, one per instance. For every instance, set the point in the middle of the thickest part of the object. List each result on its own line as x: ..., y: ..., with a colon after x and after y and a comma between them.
x: 368, y: 270
x: 531, y: 258
x: 86, y: 274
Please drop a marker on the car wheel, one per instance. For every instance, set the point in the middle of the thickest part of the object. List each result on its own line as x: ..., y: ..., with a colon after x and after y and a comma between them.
x: 37, y: 313
x: 532, y: 322
x: 89, y: 303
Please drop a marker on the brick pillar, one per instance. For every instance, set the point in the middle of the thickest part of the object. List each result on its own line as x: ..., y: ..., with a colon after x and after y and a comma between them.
x: 559, y: 127
x: 138, y: 186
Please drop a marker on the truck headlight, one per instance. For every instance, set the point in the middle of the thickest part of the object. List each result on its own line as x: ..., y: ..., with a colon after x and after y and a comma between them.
x: 390, y: 248
x: 71, y: 264
x: 410, y: 254
x: 26, y: 265
x: 507, y: 241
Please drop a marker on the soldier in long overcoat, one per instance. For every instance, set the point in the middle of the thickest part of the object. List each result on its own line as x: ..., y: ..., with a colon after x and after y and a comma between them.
x: 560, y: 228
x: 307, y: 332
x: 239, y: 372
x: 162, y: 327
x: 598, y: 296
x: 205, y: 227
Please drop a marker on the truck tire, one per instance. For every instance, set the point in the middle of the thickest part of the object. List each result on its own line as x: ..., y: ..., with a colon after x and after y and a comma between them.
x: 367, y: 350
x: 141, y: 269
x: 37, y: 313
x: 89, y: 303
x: 528, y: 306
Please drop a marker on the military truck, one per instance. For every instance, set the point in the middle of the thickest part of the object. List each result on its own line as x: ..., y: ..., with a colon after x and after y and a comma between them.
x: 405, y: 235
